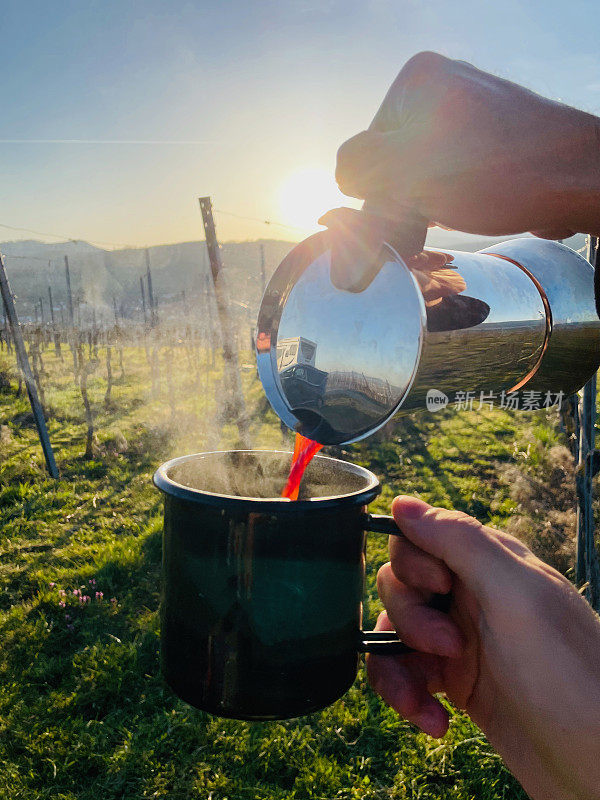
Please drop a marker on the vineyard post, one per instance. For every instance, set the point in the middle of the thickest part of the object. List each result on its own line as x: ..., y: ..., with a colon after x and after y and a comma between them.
x: 7, y: 330
x: 155, y: 365
x: 71, y: 334
x: 23, y: 362
x: 263, y: 276
x: 210, y: 353
x: 84, y: 372
x: 150, y: 291
x: 69, y: 292
x: 230, y: 355
x: 54, y: 329
x: 143, y: 293
x: 211, y: 328
x: 146, y: 328
x: 109, y: 375
x: 588, y: 567
x: 94, y: 334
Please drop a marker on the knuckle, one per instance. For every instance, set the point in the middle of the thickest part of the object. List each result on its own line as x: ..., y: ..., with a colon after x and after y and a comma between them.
x: 462, y: 529
x: 356, y: 146
x: 342, y: 157
x: 344, y: 172
x: 352, y: 158
x: 457, y: 518
x: 424, y: 65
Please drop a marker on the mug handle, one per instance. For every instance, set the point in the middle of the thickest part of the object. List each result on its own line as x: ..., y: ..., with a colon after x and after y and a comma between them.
x: 387, y: 642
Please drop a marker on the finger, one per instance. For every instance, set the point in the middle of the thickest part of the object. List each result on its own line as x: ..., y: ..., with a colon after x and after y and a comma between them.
x: 429, y: 260
x: 422, y: 75
x: 373, y: 163
x: 471, y: 550
x: 355, y: 239
x: 554, y: 233
x: 430, y: 666
x: 512, y: 544
x: 380, y: 160
x: 418, y: 625
x: 398, y: 681
x: 417, y: 568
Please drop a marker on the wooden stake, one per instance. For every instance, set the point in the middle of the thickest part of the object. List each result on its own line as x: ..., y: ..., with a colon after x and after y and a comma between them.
x: 230, y: 355
x: 263, y: 276
x: 143, y: 293
x: 150, y: 291
x: 69, y: 292
x: 51, y: 304
x: 212, y: 336
x: 23, y: 362
x: 588, y: 567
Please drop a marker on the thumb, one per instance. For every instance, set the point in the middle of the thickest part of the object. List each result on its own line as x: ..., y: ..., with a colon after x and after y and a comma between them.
x: 471, y: 550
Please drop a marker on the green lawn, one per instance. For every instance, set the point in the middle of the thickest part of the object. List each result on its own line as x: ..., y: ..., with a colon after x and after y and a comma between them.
x: 83, y: 711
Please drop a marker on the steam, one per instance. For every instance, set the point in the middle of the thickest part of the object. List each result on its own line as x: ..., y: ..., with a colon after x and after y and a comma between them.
x: 261, y: 474
x: 167, y: 380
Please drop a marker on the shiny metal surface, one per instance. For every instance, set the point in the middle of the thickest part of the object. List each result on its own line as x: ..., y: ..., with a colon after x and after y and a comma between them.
x: 337, y: 365
x: 486, y: 336
x: 573, y: 352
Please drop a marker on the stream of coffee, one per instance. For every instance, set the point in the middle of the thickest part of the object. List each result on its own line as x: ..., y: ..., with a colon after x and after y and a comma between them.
x: 304, y: 450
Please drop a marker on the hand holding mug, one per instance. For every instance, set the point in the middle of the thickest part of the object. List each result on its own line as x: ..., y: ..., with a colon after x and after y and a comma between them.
x: 520, y: 651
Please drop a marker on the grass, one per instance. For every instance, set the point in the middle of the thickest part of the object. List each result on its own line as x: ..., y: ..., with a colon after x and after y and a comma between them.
x: 83, y: 711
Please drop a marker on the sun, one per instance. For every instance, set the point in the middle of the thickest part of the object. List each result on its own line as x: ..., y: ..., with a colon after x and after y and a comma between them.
x: 307, y: 194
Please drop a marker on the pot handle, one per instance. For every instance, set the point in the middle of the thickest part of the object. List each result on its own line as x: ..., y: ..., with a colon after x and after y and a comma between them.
x: 387, y: 642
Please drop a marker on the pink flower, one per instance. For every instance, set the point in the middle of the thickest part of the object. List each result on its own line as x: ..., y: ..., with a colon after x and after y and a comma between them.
x: 76, y: 592
x: 99, y: 595
x: 113, y: 599
x: 92, y: 581
x: 62, y: 604
x: 52, y: 585
x: 62, y: 593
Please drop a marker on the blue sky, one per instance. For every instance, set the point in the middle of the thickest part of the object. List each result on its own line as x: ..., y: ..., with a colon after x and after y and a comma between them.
x: 262, y: 89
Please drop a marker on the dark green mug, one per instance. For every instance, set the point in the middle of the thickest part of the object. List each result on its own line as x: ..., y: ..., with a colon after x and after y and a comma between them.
x: 262, y: 597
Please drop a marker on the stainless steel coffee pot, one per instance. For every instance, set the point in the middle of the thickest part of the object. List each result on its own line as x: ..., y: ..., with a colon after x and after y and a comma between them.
x: 513, y: 325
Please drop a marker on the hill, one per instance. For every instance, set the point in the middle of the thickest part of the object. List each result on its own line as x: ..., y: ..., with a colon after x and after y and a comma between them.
x: 98, y: 276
